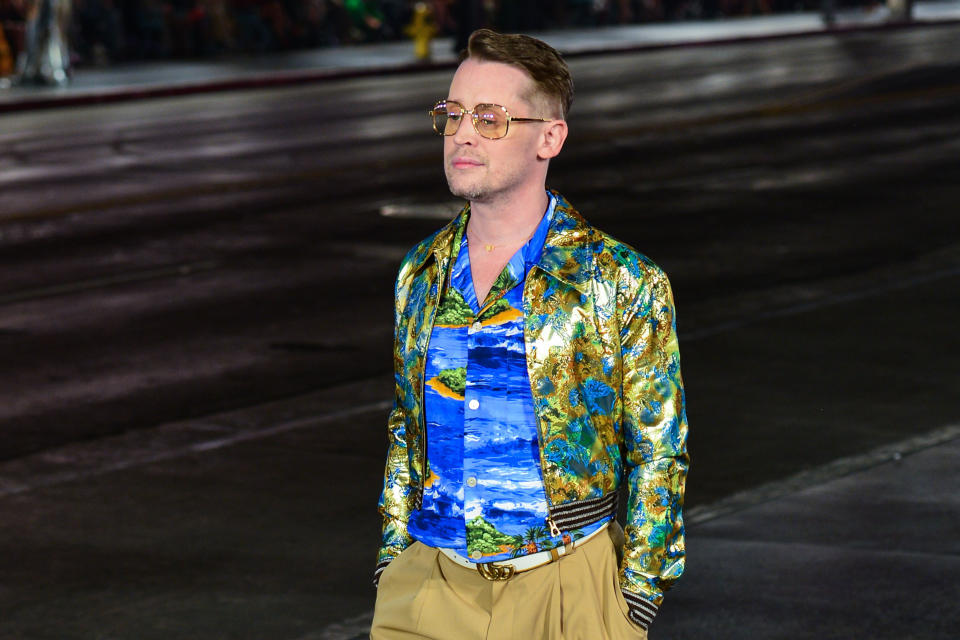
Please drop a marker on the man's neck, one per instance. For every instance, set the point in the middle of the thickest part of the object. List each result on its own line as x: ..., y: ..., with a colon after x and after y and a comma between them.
x: 508, y: 221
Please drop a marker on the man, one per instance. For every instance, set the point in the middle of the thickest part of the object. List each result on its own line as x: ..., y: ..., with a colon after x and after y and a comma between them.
x: 536, y: 372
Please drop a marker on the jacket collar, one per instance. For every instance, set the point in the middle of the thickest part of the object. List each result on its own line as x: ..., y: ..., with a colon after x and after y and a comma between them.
x: 567, y: 251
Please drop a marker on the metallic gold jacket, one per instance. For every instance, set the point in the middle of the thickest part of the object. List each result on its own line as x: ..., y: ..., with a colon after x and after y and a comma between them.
x: 604, y: 370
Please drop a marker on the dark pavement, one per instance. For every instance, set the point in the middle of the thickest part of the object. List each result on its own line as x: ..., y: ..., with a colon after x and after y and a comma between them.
x: 259, y: 523
x: 193, y: 402
x: 872, y: 554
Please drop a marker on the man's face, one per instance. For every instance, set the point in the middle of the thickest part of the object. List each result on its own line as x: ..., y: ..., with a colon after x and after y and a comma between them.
x: 484, y: 170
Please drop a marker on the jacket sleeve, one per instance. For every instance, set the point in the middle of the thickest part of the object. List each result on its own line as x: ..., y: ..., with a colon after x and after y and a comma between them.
x: 655, y: 435
x: 394, y: 503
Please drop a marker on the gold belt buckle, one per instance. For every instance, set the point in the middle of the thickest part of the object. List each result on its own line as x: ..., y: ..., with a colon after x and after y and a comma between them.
x: 495, y: 572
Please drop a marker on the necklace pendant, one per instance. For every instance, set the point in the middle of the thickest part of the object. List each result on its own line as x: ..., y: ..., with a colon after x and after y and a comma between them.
x: 489, y: 247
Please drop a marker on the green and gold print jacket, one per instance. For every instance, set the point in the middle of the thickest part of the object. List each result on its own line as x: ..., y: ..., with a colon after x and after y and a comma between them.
x: 604, y: 370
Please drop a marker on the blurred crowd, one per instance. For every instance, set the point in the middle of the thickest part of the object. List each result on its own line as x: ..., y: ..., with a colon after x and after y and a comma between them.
x: 106, y: 31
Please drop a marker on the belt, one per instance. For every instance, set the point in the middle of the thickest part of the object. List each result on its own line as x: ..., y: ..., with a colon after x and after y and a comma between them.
x: 505, y: 569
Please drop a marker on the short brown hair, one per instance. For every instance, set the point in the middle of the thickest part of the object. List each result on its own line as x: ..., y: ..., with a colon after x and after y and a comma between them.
x: 540, y: 61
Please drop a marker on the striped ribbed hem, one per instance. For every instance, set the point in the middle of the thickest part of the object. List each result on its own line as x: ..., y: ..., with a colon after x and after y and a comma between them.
x: 642, y: 611
x: 575, y: 515
x: 378, y: 571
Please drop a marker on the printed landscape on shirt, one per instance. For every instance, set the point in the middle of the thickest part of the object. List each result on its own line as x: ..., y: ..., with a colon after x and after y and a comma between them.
x: 504, y: 513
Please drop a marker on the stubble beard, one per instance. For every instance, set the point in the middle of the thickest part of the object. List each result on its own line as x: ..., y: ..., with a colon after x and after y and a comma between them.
x: 472, y: 192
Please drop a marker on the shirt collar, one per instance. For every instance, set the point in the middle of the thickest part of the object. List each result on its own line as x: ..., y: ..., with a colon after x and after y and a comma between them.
x: 519, y: 265
x: 529, y: 254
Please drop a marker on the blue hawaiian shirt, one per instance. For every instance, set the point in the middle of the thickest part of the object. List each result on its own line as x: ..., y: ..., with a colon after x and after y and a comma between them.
x: 484, y: 494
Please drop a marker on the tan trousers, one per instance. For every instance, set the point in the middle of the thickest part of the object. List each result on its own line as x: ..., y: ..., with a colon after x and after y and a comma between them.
x: 424, y: 595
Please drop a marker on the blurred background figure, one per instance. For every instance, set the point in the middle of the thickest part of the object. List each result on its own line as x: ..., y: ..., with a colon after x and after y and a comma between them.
x: 421, y: 30
x: 366, y: 19
x: 900, y: 10
x: 11, y: 37
x: 47, y: 56
x: 6, y: 58
x: 252, y: 33
x: 189, y: 26
x: 220, y: 23
x: 145, y: 29
x: 98, y: 31
x: 828, y: 12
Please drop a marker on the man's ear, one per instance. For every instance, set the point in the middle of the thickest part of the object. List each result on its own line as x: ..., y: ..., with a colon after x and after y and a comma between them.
x: 554, y: 134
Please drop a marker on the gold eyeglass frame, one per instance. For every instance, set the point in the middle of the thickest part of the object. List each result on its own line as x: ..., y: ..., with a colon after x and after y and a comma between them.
x: 475, y: 118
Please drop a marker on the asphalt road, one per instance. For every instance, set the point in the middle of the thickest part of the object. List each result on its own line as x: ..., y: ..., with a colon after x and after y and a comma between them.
x: 170, y: 261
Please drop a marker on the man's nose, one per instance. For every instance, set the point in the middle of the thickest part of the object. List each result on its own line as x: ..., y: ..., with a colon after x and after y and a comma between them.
x: 465, y: 133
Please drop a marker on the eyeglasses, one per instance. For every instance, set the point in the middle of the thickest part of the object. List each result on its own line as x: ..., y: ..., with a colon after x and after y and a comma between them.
x: 489, y: 120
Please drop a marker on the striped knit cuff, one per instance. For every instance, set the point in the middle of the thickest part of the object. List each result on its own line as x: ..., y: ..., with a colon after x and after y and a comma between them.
x: 378, y: 571
x: 578, y: 514
x: 642, y: 611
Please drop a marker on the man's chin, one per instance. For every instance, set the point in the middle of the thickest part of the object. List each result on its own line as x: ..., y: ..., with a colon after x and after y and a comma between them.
x: 473, y: 193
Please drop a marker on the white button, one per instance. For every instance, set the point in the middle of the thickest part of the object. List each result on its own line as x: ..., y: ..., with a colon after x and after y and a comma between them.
x: 476, y: 326
x: 471, y: 481
x: 476, y: 555
x: 474, y: 404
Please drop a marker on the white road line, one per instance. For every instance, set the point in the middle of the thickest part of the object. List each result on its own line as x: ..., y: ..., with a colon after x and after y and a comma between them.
x: 177, y: 270
x: 300, y: 423
x: 10, y: 487
x: 820, y: 475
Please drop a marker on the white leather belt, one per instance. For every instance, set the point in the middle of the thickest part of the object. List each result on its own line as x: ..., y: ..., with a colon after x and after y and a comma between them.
x: 505, y: 569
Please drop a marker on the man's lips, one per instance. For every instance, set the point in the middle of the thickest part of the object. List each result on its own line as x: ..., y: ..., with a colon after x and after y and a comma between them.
x: 465, y: 163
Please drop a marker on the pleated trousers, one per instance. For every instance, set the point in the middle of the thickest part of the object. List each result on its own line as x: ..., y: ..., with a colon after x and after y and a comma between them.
x: 425, y: 595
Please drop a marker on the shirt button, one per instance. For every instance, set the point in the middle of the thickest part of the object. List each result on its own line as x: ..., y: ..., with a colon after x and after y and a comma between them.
x: 474, y: 404
x: 471, y: 481
x: 476, y: 555
x: 476, y: 326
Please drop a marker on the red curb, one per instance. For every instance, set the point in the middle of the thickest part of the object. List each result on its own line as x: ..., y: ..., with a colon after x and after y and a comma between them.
x: 295, y: 78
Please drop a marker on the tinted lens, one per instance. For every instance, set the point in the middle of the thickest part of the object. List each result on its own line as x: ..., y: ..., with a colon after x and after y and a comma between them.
x: 446, y: 118
x: 491, y: 120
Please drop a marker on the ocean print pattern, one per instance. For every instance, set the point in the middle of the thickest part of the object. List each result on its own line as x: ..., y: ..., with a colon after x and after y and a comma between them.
x: 483, y: 494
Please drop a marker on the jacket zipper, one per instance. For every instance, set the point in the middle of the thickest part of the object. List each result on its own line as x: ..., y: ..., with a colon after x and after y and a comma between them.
x: 554, y: 529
